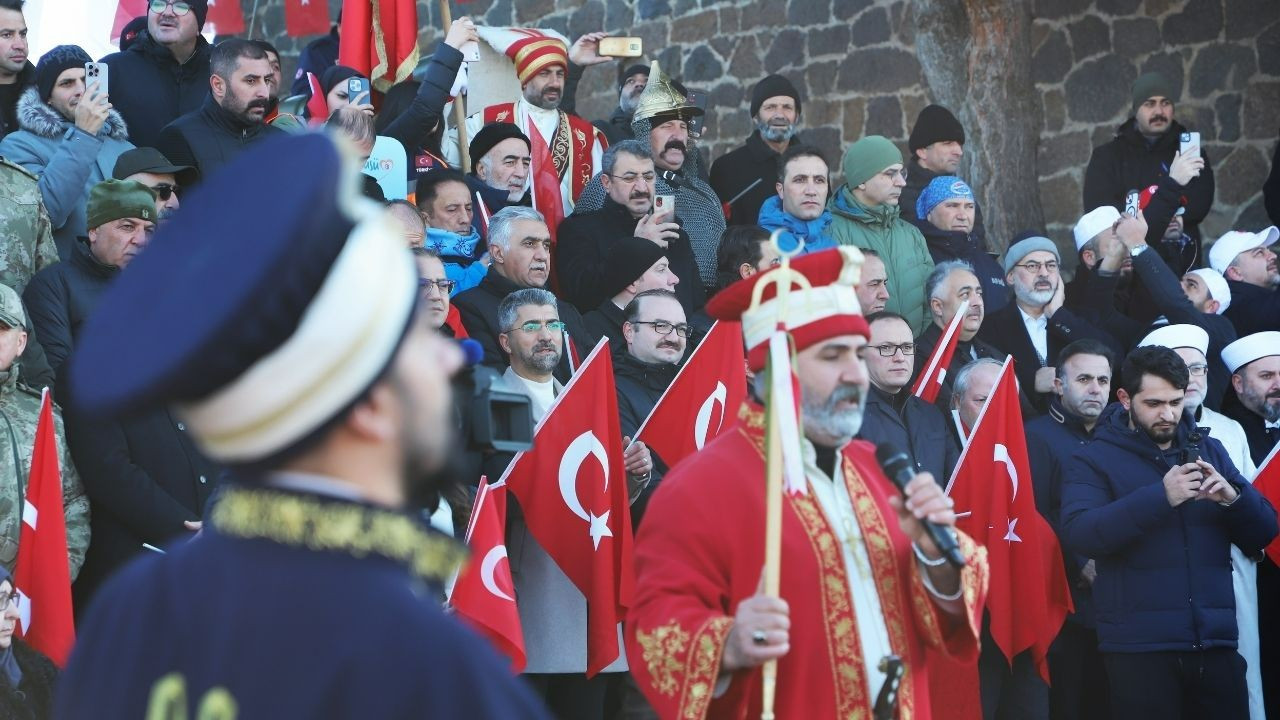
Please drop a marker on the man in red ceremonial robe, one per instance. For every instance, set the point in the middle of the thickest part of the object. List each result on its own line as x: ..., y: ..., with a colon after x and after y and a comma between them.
x: 861, y: 578
x: 565, y: 148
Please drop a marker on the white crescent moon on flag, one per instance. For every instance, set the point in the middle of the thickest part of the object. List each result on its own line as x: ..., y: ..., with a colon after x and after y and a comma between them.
x: 488, y: 565
x: 703, y: 422
x: 582, y: 446
x: 1002, y: 456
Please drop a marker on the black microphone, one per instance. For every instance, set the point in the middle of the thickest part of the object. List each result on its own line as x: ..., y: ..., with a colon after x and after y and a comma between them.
x: 899, y: 468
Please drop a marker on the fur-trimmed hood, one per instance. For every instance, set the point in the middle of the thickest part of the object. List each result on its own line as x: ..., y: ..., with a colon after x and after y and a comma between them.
x: 39, y: 118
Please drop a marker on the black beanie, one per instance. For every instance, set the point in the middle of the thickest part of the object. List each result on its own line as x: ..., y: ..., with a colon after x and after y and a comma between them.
x: 636, y: 69
x: 336, y: 74
x: 629, y: 258
x: 54, y: 63
x: 201, y: 9
x: 773, y: 86
x: 489, y: 136
x: 934, y: 124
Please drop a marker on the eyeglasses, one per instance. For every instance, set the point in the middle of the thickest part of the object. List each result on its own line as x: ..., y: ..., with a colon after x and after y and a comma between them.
x: 1033, y: 266
x: 164, y: 190
x: 1198, y: 370
x: 534, y: 326
x: 632, y: 177
x: 7, y: 598
x: 444, y: 286
x: 888, y: 349
x: 662, y: 327
x: 891, y: 174
x: 180, y: 7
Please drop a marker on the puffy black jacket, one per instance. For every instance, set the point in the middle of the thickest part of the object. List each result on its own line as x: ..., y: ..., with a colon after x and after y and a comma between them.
x: 735, y: 171
x: 60, y: 298
x: 640, y: 385
x: 210, y: 137
x: 151, y: 89
x: 11, y: 94
x: 916, y: 427
x: 947, y: 245
x: 1164, y: 573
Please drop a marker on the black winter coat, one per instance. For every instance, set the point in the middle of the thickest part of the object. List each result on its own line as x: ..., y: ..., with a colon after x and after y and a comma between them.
x: 640, y: 385
x: 947, y: 245
x: 150, y: 89
x: 919, y: 177
x: 582, y: 249
x: 479, y: 310
x: 60, y: 298
x: 9, y: 112
x: 606, y: 322
x: 1164, y: 573
x: 1129, y: 162
x: 33, y: 698
x: 916, y: 427
x: 1261, y: 440
x: 210, y: 137
x: 1253, y: 309
x: 733, y: 172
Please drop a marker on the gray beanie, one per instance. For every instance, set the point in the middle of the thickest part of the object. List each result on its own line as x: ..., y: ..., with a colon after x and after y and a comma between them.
x: 1153, y: 84
x: 1022, y: 248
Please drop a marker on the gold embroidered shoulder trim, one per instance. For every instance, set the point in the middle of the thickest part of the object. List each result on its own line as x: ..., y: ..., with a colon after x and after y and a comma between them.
x: 330, y: 526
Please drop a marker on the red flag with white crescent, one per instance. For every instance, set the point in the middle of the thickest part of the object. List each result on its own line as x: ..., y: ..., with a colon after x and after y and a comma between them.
x: 42, y: 577
x: 572, y: 487
x: 484, y: 594
x: 935, y: 370
x: 1267, y: 482
x: 995, y: 505
x: 306, y: 17
x: 703, y: 398
x: 226, y: 17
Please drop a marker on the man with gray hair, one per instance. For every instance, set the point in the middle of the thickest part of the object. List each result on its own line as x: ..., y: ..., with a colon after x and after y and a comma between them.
x: 973, y: 386
x: 585, y: 238
x: 951, y: 283
x: 520, y: 254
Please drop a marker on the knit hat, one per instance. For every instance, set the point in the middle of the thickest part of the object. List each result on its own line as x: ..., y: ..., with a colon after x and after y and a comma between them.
x: 129, y: 33
x: 201, y: 9
x: 934, y: 124
x: 336, y: 74
x: 492, y: 134
x: 868, y: 156
x: 636, y: 69
x: 940, y: 190
x: 1023, y: 248
x: 773, y: 86
x: 1153, y: 84
x: 55, y: 62
x: 115, y: 199
x: 628, y: 260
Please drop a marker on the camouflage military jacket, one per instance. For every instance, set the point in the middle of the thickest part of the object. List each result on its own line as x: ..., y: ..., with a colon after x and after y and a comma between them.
x: 19, y: 413
x: 26, y: 235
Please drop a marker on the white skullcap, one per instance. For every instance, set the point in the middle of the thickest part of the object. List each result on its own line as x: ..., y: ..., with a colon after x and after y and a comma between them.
x: 1176, y: 336
x: 1250, y: 348
x: 1217, y: 285
x: 1094, y: 222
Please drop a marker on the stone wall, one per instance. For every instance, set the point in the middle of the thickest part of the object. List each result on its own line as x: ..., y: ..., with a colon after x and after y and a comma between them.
x: 854, y: 63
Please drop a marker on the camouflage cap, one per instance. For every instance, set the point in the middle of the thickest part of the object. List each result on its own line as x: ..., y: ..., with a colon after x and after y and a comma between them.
x: 12, y: 314
x: 115, y: 199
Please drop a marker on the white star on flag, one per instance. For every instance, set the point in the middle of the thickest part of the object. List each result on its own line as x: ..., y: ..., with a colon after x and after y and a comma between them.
x: 599, y: 527
x: 1012, y: 536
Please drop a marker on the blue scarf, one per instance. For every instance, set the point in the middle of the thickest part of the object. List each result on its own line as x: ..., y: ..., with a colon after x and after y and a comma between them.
x: 452, y: 246
x: 816, y: 233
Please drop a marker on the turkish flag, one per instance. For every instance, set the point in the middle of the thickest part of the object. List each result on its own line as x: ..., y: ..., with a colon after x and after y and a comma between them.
x: 572, y: 488
x: 126, y: 10
x: 42, y: 578
x: 225, y: 16
x: 935, y: 370
x: 386, y: 54
x: 706, y: 392
x: 484, y: 595
x: 995, y: 502
x: 1267, y: 482
x: 306, y: 17
x: 317, y: 103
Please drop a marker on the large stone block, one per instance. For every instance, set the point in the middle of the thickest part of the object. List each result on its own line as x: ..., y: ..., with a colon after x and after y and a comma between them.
x: 1227, y: 109
x: 1253, y: 216
x: 730, y: 19
x: 845, y: 9
x: 1099, y: 89
x: 671, y: 60
x: 1052, y: 60
x: 832, y: 40
x: 702, y: 65
x: 1135, y: 37
x: 1268, y: 43
x: 1055, y: 110
x: 1199, y: 21
x: 884, y: 117
x: 586, y: 19
x: 745, y: 61
x: 1055, y: 9
x: 820, y: 112
x: 1244, y: 17
x: 1061, y: 198
x: 650, y: 9
x: 870, y: 28
x: 1241, y: 175
x: 764, y: 14
x: 1063, y: 152
x: 1260, y: 102
x: 809, y: 12
x: 1221, y: 67
x: 1089, y: 36
x: 1194, y: 116
x: 531, y: 12
x: 1118, y: 8
x: 786, y: 50
x: 827, y: 140
x: 883, y: 69
x: 854, y: 126
x: 728, y: 95
x: 501, y: 13
x: 619, y: 15
x: 697, y: 28
x: 820, y: 77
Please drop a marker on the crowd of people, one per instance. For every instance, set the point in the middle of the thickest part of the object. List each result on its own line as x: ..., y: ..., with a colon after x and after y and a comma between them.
x: 1149, y: 382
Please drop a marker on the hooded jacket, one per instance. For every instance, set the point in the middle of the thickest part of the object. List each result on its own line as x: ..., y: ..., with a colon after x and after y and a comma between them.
x: 68, y: 161
x: 899, y: 244
x: 151, y: 89
x: 1164, y: 573
x: 208, y: 138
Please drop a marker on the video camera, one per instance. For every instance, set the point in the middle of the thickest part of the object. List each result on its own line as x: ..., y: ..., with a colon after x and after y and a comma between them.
x: 493, y: 419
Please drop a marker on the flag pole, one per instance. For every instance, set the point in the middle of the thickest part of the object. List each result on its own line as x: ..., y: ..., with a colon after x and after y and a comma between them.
x: 459, y: 102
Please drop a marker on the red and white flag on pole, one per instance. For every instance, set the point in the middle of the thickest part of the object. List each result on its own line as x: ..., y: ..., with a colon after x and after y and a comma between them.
x: 1267, y: 482
x: 379, y: 38
x: 42, y: 577
x: 226, y: 17
x: 702, y: 399
x: 484, y: 595
x: 306, y: 17
x: 126, y: 10
x: 995, y: 502
x: 935, y: 370
x: 572, y: 487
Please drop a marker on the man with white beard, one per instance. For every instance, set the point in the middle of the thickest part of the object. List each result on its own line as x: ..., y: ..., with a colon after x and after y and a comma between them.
x: 745, y: 178
x: 1191, y: 342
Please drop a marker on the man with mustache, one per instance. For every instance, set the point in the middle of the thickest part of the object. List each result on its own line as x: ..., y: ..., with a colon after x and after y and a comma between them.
x: 946, y: 213
x: 500, y: 166
x: 634, y: 265
x: 1158, y: 504
x: 233, y: 115
x: 1248, y: 261
x: 586, y: 237
x: 565, y: 144
x: 860, y: 579
x: 1145, y: 152
x: 745, y: 177
x: 1035, y: 327
x: 16, y: 71
x: 951, y: 283
x: 520, y: 257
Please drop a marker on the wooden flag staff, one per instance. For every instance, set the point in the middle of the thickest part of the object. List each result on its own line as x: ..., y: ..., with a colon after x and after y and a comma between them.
x: 459, y: 103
